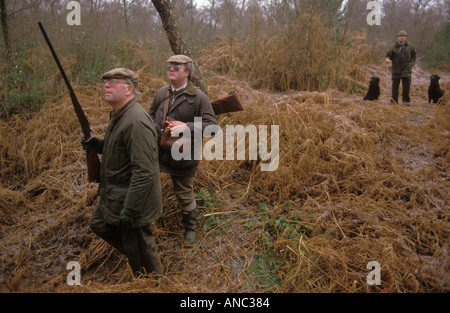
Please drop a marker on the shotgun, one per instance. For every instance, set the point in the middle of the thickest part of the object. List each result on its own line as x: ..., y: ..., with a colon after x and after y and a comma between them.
x: 93, y: 162
x: 226, y: 104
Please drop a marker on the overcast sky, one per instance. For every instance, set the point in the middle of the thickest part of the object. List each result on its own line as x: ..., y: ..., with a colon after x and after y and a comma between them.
x: 201, y: 3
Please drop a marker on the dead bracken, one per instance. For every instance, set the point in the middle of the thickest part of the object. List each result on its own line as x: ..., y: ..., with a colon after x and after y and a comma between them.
x: 356, y: 182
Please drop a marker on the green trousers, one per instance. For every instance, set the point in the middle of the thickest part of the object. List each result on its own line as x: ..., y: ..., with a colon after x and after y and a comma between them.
x: 138, y: 244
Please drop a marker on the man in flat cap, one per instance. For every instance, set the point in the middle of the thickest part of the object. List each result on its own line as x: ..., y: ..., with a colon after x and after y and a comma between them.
x: 130, y: 190
x: 403, y: 57
x: 179, y: 103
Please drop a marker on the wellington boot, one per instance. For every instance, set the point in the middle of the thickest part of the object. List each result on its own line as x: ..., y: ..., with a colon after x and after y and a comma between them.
x: 189, y: 223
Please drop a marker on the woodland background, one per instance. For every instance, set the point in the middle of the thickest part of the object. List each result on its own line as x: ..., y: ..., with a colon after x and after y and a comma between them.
x: 315, y: 36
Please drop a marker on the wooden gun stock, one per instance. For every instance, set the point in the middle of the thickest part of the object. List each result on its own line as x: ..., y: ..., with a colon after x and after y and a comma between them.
x: 229, y: 103
x: 93, y: 162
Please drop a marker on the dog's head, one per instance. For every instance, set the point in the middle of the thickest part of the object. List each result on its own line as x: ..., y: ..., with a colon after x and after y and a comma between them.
x: 374, y: 80
x: 434, y: 79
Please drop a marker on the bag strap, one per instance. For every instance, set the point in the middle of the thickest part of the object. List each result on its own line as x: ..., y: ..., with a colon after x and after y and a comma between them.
x: 166, y: 103
x: 166, y: 100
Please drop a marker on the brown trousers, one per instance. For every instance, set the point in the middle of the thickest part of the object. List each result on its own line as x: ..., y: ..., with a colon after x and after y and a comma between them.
x: 184, y: 192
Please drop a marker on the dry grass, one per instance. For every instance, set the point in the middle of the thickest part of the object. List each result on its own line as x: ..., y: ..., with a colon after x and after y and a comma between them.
x: 370, y: 182
x: 306, y: 57
x: 373, y: 177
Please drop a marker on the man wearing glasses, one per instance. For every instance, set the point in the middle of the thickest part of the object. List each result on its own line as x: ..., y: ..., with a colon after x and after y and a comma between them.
x: 403, y: 57
x: 130, y: 189
x: 179, y: 103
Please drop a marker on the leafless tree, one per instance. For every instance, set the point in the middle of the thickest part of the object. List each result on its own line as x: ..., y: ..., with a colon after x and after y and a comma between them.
x: 5, y: 30
x: 170, y: 25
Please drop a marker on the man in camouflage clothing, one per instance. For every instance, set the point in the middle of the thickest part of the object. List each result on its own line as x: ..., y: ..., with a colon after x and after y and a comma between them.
x: 403, y: 57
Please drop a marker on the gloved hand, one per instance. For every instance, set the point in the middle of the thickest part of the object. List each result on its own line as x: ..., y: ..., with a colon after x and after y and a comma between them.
x: 127, y: 218
x: 91, y: 142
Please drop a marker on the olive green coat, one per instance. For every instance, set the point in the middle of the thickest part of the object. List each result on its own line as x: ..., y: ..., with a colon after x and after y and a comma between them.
x: 403, y: 58
x: 129, y: 175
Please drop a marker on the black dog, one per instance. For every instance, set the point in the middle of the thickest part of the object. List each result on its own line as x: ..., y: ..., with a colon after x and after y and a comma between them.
x: 374, y: 89
x: 434, y: 90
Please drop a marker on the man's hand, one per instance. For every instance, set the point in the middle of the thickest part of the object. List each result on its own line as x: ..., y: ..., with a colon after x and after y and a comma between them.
x: 388, y: 61
x: 91, y: 142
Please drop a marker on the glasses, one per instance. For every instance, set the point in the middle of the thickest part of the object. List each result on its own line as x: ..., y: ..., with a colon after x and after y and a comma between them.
x: 175, y: 67
x: 114, y: 81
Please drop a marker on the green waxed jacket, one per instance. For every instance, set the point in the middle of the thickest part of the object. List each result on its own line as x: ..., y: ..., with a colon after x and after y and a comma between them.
x: 129, y: 168
x: 403, y: 58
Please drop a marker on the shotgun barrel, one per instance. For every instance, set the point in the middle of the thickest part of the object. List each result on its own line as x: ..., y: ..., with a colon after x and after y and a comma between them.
x: 93, y: 162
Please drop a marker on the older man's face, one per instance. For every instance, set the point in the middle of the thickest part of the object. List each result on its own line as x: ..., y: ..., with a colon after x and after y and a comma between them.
x: 116, y: 90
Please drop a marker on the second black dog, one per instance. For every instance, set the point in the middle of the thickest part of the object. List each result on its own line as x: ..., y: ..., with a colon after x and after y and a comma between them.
x: 374, y: 89
x: 434, y: 90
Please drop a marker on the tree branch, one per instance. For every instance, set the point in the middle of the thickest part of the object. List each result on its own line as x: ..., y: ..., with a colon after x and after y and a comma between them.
x: 170, y: 25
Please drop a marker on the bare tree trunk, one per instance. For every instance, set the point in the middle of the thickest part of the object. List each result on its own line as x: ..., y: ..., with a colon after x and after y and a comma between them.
x: 125, y: 14
x: 170, y: 25
x: 5, y: 31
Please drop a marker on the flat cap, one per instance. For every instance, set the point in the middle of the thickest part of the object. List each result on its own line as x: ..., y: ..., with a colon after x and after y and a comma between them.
x: 402, y: 33
x: 179, y: 58
x: 123, y: 73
